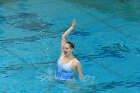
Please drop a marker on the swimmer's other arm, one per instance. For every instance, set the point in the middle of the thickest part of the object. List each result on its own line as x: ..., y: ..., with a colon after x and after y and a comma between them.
x: 79, y: 70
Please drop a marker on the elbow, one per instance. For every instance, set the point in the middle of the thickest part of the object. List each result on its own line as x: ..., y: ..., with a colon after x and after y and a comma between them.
x: 63, y: 37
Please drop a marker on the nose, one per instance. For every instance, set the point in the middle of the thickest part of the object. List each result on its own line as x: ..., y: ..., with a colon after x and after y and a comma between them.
x: 64, y: 49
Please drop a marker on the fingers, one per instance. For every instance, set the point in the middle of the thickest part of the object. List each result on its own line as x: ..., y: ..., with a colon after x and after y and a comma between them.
x: 74, y: 22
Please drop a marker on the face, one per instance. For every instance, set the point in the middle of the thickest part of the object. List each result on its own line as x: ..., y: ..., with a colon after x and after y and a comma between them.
x: 67, y: 49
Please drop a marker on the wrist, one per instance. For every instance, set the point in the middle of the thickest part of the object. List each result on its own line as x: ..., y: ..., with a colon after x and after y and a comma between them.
x: 72, y: 26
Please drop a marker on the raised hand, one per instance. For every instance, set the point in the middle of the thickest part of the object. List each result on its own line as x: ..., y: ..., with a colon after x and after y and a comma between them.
x: 73, y: 23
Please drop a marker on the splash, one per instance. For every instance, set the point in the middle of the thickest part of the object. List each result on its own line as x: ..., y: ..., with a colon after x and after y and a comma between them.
x: 88, y: 80
x: 46, y: 75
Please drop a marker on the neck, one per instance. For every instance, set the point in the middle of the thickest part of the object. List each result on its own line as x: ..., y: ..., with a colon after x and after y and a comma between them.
x: 69, y: 56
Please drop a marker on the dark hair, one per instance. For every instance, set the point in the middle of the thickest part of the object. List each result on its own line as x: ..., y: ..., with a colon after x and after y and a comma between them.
x: 71, y: 44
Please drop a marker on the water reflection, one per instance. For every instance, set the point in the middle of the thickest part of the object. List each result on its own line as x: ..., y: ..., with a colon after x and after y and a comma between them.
x: 7, y: 1
x: 2, y: 19
x: 124, y: 1
x: 128, y: 9
x: 28, y: 21
x: 116, y: 84
x: 80, y: 33
x: 19, y: 40
x: 17, y: 67
x: 113, y: 51
x: 116, y: 50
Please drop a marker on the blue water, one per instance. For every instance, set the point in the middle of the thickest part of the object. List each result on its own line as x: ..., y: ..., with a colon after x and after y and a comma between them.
x: 106, y: 39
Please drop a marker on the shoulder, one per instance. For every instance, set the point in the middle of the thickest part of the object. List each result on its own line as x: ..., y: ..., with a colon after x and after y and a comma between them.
x: 76, y: 61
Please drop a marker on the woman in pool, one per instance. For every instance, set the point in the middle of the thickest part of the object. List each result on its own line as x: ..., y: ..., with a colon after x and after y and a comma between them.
x: 67, y: 63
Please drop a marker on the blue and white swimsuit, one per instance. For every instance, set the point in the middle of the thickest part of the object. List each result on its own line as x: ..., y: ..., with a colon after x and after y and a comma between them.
x: 64, y: 71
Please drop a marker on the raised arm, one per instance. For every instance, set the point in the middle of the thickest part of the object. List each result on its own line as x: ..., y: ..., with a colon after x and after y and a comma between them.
x: 65, y: 35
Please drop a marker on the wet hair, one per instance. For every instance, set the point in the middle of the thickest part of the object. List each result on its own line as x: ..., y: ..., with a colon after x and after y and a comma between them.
x: 71, y: 44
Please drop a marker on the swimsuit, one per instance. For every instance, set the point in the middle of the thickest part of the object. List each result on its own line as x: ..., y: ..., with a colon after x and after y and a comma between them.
x: 64, y: 71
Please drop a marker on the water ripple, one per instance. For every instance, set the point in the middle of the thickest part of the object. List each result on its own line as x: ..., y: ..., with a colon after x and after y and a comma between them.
x: 7, y: 1
x: 115, y: 84
x: 32, y: 38
x: 27, y: 21
x: 116, y: 50
x: 80, y: 33
x: 2, y: 19
x: 17, y: 67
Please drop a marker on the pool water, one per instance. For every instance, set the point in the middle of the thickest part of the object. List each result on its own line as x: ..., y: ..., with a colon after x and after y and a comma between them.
x: 106, y: 39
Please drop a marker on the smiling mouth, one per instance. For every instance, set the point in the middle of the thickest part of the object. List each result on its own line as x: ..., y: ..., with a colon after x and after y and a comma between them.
x: 65, y: 52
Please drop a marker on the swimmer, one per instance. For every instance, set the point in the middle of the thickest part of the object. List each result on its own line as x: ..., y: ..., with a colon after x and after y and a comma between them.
x: 67, y: 63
